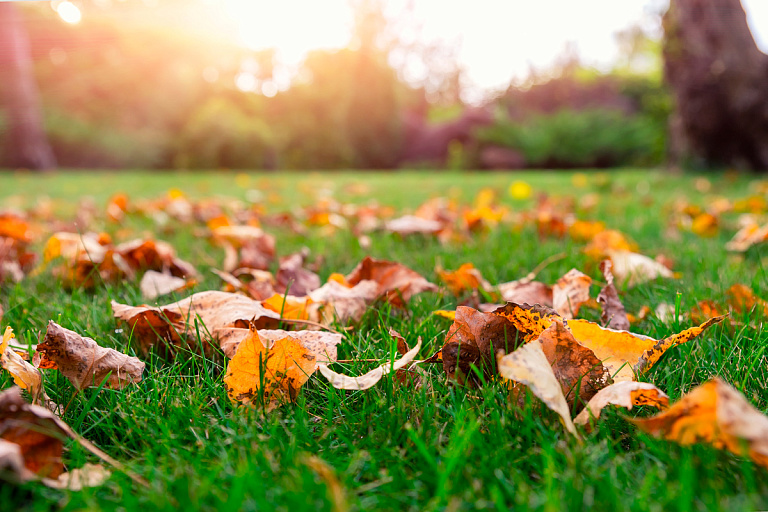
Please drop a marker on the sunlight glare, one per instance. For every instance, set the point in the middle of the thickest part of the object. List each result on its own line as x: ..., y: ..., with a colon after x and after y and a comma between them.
x: 69, y: 12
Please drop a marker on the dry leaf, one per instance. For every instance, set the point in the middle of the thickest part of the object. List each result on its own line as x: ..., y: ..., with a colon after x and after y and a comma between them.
x: 580, y: 373
x: 340, y: 381
x: 154, y: 255
x: 624, y: 394
x: 24, y: 374
x: 614, y: 316
x: 320, y: 343
x: 715, y: 413
x: 293, y: 278
x: 633, y: 269
x: 90, y: 475
x: 749, y: 235
x: 570, y: 292
x: 465, y: 278
x: 529, y: 366
x: 626, y: 354
x: 176, y: 325
x: 342, y: 303
x: 154, y: 284
x: 397, y: 283
x: 410, y: 225
x: 84, y: 362
x: 274, y: 374
x: 473, y: 339
x: 293, y: 308
x: 526, y: 291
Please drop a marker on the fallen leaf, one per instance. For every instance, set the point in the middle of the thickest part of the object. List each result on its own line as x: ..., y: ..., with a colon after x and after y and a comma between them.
x: 715, y: 413
x: 320, y: 343
x: 397, y: 283
x: 90, y: 475
x: 526, y: 291
x: 154, y: 284
x: 570, y: 292
x: 742, y: 299
x: 293, y: 308
x: 614, y: 316
x: 154, y: 255
x: 626, y: 354
x: 293, y: 278
x: 345, y: 304
x: 580, y: 373
x: 465, y: 278
x: 84, y: 362
x: 749, y: 235
x: 245, y: 247
x: 176, y: 325
x: 24, y: 374
x: 367, y: 380
x: 410, y: 225
x: 473, y: 339
x: 625, y: 394
x: 529, y: 366
x: 633, y: 269
x: 273, y: 374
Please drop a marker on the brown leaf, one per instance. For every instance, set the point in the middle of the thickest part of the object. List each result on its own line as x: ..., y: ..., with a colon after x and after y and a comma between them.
x: 154, y: 255
x: 293, y: 278
x: 174, y: 325
x: 529, y: 366
x: 624, y: 394
x: 90, y: 475
x: 614, y: 316
x: 154, y: 284
x: 84, y: 362
x: 580, y: 373
x: 37, y: 432
x: 410, y: 225
x: 397, y: 283
x: 715, y: 413
x: 256, y: 248
x: 570, y: 292
x: 473, y: 339
x: 342, y: 304
x: 526, y: 291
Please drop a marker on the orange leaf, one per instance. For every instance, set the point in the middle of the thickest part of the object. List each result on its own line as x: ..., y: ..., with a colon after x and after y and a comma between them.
x: 715, y: 413
x: 273, y: 374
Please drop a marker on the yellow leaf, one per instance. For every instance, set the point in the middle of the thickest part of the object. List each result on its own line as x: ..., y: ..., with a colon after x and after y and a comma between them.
x: 624, y: 394
x: 273, y: 374
x: 288, y: 306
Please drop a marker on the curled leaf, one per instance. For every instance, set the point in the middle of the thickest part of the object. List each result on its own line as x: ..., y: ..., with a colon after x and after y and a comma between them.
x: 84, y: 362
x: 614, y: 316
x: 570, y: 292
x: 397, y: 283
x: 715, y: 413
x: 624, y: 394
x: 365, y: 381
x: 529, y: 366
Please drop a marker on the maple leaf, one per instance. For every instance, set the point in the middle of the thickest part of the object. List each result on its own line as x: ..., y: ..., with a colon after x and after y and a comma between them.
x: 623, y: 394
x: 272, y: 374
x: 716, y: 413
x: 84, y: 362
x: 465, y: 278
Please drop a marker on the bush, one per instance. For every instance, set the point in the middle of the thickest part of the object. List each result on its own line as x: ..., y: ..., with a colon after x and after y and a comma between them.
x: 586, y: 138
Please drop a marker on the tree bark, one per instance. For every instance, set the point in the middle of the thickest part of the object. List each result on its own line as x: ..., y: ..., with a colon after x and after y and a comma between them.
x: 26, y: 144
x: 719, y: 80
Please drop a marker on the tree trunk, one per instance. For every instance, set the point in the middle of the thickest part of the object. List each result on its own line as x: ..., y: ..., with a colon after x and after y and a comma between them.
x: 719, y: 79
x: 25, y: 142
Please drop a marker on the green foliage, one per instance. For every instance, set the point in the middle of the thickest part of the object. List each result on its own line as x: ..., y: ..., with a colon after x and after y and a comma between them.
x: 587, y: 138
x: 219, y: 133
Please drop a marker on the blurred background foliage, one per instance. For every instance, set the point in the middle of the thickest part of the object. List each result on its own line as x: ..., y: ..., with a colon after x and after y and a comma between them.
x: 145, y: 92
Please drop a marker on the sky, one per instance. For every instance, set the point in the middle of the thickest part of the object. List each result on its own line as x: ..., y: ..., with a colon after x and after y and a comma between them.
x: 495, y: 41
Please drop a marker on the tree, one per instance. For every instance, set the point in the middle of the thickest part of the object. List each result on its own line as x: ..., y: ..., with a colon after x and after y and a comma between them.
x: 26, y: 142
x: 718, y: 77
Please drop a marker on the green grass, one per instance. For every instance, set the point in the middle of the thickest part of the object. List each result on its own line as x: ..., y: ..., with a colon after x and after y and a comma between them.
x: 436, y: 448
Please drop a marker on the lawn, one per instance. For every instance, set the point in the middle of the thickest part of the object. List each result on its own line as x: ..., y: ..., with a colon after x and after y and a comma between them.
x: 441, y: 446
